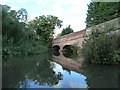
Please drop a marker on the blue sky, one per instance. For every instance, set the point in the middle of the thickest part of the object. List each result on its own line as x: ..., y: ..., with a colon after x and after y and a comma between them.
x: 71, y: 12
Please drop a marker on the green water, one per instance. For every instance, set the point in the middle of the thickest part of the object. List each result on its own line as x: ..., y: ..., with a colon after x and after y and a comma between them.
x: 56, y: 71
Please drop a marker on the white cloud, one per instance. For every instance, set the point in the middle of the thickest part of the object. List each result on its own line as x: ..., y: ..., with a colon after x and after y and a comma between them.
x: 14, y: 7
x: 76, y: 23
x: 72, y: 12
x: 57, y: 10
x: 2, y: 1
x: 13, y: 1
x: 76, y: 2
x: 20, y: 1
x: 78, y: 85
x: 58, y: 68
x: 41, y: 1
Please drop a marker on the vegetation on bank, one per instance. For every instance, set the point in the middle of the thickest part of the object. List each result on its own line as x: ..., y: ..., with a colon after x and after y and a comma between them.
x: 102, y: 46
x: 20, y: 37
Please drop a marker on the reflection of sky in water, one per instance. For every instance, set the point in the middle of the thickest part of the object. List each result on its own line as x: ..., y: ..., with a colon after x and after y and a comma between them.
x: 33, y: 84
x: 70, y: 80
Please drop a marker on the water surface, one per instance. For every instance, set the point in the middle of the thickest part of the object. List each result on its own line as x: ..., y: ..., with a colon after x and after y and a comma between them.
x: 56, y: 71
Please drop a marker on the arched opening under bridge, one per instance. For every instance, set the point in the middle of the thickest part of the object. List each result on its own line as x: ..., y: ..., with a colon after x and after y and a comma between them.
x: 55, y: 48
x: 69, y: 50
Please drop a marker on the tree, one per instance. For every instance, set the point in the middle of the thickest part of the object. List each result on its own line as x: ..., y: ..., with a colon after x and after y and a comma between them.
x: 22, y: 15
x: 33, y: 37
x: 15, y: 33
x: 11, y: 27
x: 99, y: 12
x: 67, y: 30
x: 44, y: 27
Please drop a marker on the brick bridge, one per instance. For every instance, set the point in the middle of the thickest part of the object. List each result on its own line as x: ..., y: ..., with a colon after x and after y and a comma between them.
x: 70, y: 39
x: 69, y: 63
x: 76, y: 38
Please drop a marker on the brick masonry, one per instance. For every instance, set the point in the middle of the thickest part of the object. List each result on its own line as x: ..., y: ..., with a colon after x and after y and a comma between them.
x: 76, y: 38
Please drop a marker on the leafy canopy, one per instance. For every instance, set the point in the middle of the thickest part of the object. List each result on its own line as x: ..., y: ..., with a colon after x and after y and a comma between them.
x: 22, y: 37
x: 44, y: 26
x: 99, y: 12
x: 67, y: 30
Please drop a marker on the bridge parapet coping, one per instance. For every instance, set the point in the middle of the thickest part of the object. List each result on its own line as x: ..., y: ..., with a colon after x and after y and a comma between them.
x: 115, y: 23
x: 70, y: 36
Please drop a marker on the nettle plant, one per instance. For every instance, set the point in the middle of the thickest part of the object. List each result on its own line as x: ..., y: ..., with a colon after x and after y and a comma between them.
x: 102, y: 46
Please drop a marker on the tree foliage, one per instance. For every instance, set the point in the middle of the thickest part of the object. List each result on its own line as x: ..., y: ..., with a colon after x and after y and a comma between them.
x: 102, y: 46
x: 21, y: 37
x: 44, y: 27
x: 11, y: 27
x: 99, y: 12
x: 67, y: 30
x: 22, y: 15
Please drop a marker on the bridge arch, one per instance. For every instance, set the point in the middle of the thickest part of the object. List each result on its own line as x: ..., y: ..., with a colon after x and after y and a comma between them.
x: 70, y: 48
x: 66, y: 48
x: 56, y: 48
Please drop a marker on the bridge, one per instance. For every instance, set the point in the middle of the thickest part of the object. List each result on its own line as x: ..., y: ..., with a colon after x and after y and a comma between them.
x: 76, y: 38
x: 69, y: 63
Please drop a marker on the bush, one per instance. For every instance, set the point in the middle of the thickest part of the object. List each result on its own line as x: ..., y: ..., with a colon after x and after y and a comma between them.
x: 102, y: 46
x: 25, y: 48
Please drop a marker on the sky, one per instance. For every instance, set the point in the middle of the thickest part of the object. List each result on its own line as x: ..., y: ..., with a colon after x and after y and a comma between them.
x: 71, y: 12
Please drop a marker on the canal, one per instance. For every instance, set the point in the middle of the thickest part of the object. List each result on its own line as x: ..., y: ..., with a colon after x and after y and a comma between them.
x: 56, y: 71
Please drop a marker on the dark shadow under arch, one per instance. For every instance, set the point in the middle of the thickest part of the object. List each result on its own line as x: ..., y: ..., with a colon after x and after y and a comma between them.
x: 69, y: 51
x: 67, y: 48
x: 55, y: 48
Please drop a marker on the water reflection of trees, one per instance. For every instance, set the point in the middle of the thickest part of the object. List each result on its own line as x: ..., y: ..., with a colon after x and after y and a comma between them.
x: 17, y: 71
x: 98, y: 76
x: 101, y: 76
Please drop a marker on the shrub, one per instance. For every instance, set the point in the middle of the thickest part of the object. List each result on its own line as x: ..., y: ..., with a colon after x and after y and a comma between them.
x: 101, y: 46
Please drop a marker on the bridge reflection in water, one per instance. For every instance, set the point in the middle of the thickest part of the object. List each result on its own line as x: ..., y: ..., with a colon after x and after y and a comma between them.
x: 97, y: 76
x: 62, y: 58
